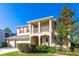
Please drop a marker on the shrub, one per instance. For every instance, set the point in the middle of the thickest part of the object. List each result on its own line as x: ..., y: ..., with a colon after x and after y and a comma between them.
x: 44, y: 49
x: 76, y: 43
x: 59, y: 49
x: 66, y: 49
x: 26, y: 48
x: 72, y: 47
x: 51, y: 50
x: 76, y: 50
x: 30, y: 48
x: 41, y: 48
x: 4, y: 44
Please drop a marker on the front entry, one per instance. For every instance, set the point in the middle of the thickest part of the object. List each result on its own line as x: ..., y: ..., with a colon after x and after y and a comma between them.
x: 35, y: 40
x: 45, y: 40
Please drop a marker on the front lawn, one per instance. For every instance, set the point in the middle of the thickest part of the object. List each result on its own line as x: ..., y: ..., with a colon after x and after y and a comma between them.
x: 16, y: 53
x: 30, y: 50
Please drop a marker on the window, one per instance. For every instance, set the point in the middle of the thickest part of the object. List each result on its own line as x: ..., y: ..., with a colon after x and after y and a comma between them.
x: 27, y: 29
x: 21, y: 30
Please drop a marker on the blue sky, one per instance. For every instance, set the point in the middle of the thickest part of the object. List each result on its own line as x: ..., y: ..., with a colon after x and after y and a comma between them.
x: 13, y: 15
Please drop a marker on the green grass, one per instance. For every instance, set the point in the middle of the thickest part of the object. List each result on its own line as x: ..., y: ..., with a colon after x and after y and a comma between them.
x: 16, y: 53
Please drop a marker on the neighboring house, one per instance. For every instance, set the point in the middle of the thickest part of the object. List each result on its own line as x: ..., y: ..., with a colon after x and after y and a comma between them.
x: 39, y: 32
x: 8, y: 34
x: 2, y: 37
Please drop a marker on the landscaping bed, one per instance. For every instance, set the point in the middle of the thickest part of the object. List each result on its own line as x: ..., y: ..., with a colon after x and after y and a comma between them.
x: 58, y: 53
x: 16, y: 53
x: 42, y: 50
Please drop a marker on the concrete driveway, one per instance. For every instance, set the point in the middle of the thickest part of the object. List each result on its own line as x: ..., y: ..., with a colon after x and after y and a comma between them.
x: 6, y: 50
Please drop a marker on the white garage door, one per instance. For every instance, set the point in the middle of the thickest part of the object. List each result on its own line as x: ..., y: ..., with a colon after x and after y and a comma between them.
x: 12, y: 43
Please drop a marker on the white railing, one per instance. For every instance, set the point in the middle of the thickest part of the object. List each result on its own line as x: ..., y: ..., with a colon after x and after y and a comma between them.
x: 35, y: 30
x: 44, y: 28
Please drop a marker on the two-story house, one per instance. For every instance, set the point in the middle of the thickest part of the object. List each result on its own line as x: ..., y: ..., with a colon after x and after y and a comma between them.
x: 39, y: 32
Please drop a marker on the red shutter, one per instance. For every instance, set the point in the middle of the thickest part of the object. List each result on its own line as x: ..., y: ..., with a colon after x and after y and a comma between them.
x: 26, y: 29
x: 22, y: 29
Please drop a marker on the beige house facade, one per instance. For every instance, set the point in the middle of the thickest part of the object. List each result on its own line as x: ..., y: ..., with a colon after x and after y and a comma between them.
x: 39, y: 32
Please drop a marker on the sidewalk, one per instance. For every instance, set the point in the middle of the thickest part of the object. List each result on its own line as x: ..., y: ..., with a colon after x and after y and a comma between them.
x: 6, y: 50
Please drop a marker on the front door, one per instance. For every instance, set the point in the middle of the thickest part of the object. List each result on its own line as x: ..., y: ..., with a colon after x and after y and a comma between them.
x: 34, y: 40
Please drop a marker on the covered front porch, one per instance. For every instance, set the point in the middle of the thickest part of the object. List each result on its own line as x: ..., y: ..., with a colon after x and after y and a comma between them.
x: 43, y: 40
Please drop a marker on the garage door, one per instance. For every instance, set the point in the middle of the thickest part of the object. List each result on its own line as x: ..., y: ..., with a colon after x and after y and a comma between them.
x: 12, y: 43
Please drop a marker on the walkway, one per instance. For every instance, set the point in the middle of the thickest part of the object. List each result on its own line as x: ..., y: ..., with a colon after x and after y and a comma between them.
x: 6, y: 50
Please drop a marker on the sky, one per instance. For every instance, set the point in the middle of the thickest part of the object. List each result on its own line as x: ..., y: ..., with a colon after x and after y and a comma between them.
x: 13, y: 15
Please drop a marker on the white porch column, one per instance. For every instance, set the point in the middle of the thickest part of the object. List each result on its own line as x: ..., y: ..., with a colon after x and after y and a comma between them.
x: 39, y: 27
x: 39, y: 40
x: 30, y: 40
x: 50, y: 40
x: 50, y: 26
x: 32, y: 28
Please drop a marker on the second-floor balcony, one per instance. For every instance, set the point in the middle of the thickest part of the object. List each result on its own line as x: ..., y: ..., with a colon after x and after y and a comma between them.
x: 42, y: 29
x: 35, y: 30
x: 44, y: 25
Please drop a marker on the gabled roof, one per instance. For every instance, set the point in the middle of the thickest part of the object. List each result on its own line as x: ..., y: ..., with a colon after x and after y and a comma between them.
x: 36, y: 20
x: 39, y: 19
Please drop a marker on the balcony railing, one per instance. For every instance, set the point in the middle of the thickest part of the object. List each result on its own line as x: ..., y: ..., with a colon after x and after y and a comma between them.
x: 35, y: 30
x: 42, y: 29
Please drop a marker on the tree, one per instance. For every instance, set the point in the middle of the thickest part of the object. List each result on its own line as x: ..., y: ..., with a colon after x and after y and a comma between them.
x: 66, y: 25
x: 7, y: 30
x: 67, y: 13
